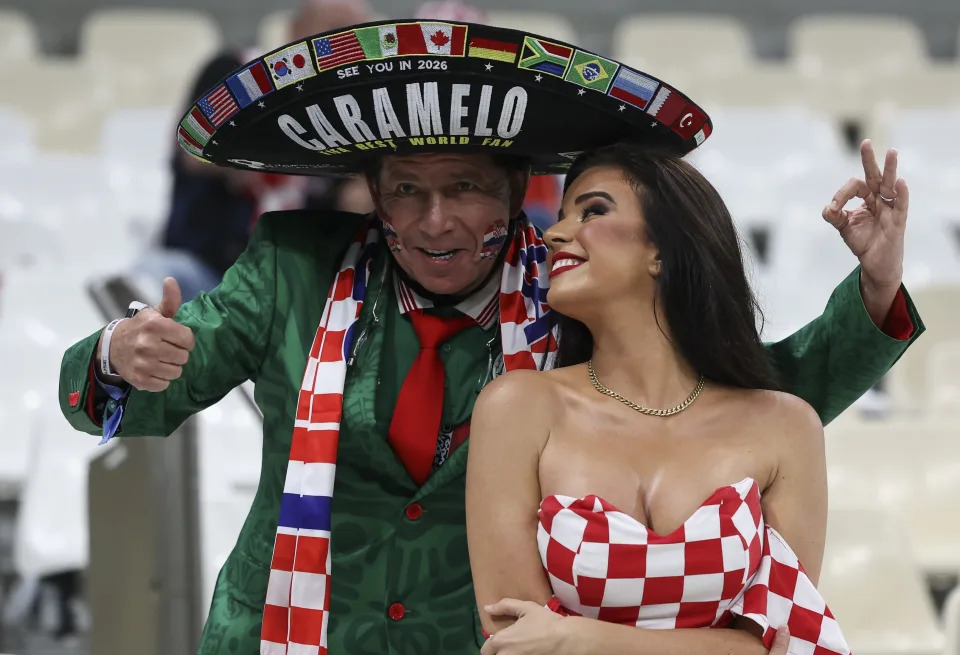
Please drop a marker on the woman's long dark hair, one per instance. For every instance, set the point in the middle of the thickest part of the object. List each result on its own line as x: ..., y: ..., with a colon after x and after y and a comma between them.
x: 710, y: 310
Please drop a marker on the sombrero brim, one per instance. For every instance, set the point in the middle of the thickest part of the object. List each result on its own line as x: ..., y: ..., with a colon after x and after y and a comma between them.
x: 325, y: 105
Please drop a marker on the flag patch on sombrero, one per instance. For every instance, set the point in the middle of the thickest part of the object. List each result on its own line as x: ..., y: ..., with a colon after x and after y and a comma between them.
x: 291, y: 65
x: 250, y: 84
x: 591, y: 71
x: 327, y: 104
x: 544, y: 56
x: 633, y: 88
x: 218, y: 105
x: 495, y: 50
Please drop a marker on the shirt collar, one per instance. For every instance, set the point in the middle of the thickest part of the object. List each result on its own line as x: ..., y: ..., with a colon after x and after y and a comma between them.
x: 483, y: 305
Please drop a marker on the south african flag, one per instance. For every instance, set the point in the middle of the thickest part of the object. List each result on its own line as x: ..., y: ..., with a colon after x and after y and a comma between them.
x: 543, y: 56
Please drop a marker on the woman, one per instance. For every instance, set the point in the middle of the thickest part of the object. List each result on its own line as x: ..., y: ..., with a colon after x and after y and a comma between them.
x: 659, y: 466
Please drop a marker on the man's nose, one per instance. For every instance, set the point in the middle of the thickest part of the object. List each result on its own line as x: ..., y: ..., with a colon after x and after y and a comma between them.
x: 437, y: 217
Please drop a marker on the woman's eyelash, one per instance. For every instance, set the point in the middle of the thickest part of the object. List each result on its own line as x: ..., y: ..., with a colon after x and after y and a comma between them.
x: 589, y: 210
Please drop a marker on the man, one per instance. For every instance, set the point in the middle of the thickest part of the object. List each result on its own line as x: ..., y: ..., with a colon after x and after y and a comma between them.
x: 367, y: 395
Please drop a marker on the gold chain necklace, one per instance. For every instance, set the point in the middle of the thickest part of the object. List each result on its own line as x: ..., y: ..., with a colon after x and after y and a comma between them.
x: 644, y: 410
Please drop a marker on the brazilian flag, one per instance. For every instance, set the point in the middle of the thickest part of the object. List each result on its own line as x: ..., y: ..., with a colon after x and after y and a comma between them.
x: 591, y: 71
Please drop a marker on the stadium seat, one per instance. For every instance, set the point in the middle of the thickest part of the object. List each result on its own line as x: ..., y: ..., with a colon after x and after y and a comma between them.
x: 909, y: 468
x: 939, y: 307
x: 18, y: 39
x: 951, y: 620
x: 850, y: 55
x: 919, y: 136
x: 874, y: 588
x: 858, y: 46
x: 773, y: 141
x: 892, y: 105
x: 682, y: 47
x: 544, y: 23
x: 273, y: 30
x: 229, y: 444
x: 942, y: 384
x: 142, y: 136
x: 66, y: 108
x: 16, y: 135
x: 807, y: 260
x: 762, y: 85
x: 153, y: 54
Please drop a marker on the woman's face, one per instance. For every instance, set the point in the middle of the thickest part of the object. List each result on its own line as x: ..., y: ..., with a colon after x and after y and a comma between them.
x: 599, y: 250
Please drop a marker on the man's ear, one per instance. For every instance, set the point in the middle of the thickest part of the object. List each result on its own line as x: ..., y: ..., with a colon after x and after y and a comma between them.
x: 519, y: 181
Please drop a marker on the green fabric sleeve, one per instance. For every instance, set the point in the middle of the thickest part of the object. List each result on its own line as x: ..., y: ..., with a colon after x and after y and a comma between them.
x: 839, y: 356
x: 231, y: 325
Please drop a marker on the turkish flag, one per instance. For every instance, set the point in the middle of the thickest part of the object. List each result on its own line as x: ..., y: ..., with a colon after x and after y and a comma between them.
x: 690, y: 121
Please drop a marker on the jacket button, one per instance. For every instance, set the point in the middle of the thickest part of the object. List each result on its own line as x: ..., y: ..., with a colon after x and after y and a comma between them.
x: 397, y: 611
x: 414, y: 511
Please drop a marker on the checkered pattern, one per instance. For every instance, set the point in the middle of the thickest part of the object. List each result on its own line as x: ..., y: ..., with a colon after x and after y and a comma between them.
x: 297, y: 607
x: 721, y: 563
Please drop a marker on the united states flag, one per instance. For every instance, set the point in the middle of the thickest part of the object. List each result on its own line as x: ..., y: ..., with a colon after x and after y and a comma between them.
x: 219, y: 106
x: 337, y: 50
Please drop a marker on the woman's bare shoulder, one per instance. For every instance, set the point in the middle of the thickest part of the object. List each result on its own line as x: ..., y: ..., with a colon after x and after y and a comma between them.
x: 775, y: 413
x: 522, y: 389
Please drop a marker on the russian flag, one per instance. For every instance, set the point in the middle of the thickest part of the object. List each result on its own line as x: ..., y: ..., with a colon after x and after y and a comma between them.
x: 250, y: 84
x: 634, y: 88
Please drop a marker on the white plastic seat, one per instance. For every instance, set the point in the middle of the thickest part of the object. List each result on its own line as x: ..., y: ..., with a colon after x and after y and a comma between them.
x: 41, y: 313
x: 939, y: 306
x: 544, y: 23
x: 777, y: 142
x: 918, y: 135
x: 144, y: 135
x: 951, y: 621
x: 65, y: 101
x: 682, y: 47
x: 16, y: 135
x: 874, y: 588
x: 856, y: 45
x: 758, y: 85
x: 153, y: 55
x: 908, y: 468
x: 18, y: 39
x: 848, y: 56
x: 942, y: 383
x: 229, y: 445
x: 273, y: 30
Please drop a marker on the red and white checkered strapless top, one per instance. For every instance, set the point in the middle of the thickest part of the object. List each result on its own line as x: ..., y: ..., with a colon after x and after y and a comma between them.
x: 721, y: 563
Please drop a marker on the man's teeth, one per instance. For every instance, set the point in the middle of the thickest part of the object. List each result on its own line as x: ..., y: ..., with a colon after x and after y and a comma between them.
x: 439, y: 254
x: 564, y: 263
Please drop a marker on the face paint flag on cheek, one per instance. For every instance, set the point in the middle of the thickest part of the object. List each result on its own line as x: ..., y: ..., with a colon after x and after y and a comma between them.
x: 493, y: 240
x: 393, y: 239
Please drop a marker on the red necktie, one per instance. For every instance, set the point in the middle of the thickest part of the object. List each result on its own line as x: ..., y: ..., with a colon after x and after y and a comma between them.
x: 416, y: 418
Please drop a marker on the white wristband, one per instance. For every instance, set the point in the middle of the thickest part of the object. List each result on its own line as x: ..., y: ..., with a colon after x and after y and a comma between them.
x: 105, y: 367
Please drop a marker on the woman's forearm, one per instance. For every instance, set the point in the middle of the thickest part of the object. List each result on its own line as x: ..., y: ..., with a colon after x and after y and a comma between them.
x: 588, y: 636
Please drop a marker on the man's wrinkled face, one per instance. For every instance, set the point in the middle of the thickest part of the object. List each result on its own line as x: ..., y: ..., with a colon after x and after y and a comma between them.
x: 445, y: 216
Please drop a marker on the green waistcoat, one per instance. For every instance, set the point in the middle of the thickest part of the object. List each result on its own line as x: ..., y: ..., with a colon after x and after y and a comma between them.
x: 259, y: 324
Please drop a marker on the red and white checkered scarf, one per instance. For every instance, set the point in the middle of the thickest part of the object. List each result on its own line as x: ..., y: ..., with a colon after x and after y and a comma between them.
x: 297, y: 609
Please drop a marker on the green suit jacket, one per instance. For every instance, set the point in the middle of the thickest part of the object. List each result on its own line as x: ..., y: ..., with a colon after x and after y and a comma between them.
x: 259, y: 324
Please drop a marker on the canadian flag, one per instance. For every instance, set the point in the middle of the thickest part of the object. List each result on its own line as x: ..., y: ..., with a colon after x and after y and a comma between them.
x: 432, y: 38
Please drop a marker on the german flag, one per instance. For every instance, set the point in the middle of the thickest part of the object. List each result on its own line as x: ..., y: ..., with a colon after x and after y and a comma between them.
x: 495, y: 50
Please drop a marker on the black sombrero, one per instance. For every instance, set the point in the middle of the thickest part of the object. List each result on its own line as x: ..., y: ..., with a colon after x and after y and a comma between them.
x: 326, y: 104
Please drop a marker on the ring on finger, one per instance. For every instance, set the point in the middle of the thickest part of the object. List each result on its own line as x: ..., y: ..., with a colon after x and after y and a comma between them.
x: 885, y: 199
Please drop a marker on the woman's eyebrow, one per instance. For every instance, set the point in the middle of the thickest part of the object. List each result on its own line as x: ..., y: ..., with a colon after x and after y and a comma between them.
x: 583, y: 197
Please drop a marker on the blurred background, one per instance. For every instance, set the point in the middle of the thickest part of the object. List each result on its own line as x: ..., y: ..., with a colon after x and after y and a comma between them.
x: 113, y: 550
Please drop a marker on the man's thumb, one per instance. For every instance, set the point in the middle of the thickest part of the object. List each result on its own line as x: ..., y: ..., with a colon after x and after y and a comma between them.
x: 171, y: 300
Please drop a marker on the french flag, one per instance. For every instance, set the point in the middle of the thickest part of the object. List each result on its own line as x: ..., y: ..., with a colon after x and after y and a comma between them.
x: 250, y: 84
